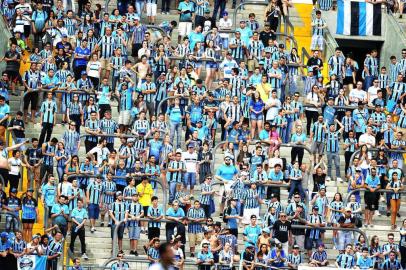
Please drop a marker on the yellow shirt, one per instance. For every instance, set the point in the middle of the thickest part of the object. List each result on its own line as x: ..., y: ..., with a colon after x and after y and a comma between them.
x: 264, y: 91
x: 145, y: 193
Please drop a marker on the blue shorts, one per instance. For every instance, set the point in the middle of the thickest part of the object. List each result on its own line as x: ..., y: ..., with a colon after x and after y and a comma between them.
x: 211, y: 65
x: 134, y: 232
x: 94, y: 211
x: 255, y: 116
x: 190, y: 179
x: 310, y: 242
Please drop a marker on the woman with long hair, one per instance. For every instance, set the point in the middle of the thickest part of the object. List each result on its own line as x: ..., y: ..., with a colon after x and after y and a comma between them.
x: 375, y: 251
x: 257, y: 107
x: 350, y: 70
x: 313, y: 98
x: 395, y: 185
x: 289, y: 114
x: 62, y: 159
x: 294, y: 58
x: 211, y: 66
x: 93, y: 70
x: 73, y: 166
x: 272, y: 15
x: 244, y: 155
x: 14, y: 174
x: 90, y: 107
x: 336, y: 208
x: 29, y: 214
x: 364, y: 157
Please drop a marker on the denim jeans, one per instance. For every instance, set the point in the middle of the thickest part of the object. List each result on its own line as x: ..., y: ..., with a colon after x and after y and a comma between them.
x: 368, y: 81
x: 295, y: 184
x: 172, y: 191
x: 288, y: 130
x: 61, y: 172
x: 189, y: 179
x: 139, y: 6
x: 175, y: 127
x: 336, y: 158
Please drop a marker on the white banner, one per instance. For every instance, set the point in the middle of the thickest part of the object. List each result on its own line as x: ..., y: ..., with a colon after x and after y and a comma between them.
x: 32, y: 262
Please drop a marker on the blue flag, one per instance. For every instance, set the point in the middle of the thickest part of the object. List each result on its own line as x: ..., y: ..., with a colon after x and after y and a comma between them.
x: 32, y: 262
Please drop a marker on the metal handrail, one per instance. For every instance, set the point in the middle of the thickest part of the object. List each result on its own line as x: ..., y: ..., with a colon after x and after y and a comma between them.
x: 374, y: 150
x: 38, y: 90
x: 253, y: 143
x: 115, y: 233
x: 351, y: 192
x: 158, y: 181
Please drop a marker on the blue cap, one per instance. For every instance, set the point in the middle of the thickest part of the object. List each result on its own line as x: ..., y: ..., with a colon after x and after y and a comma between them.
x: 4, y: 235
x: 225, y: 13
x: 13, y: 190
x: 64, y: 35
x: 309, y: 69
x: 83, y: 72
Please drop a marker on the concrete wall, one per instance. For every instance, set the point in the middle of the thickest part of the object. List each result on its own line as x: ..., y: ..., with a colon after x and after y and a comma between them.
x: 4, y: 37
x: 393, y: 37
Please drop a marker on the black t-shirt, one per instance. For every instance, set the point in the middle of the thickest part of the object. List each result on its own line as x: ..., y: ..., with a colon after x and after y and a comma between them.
x: 314, y: 62
x: 318, y: 181
x: 265, y: 37
x: 281, y: 230
x: 13, y: 65
x: 34, y: 155
x: 20, y: 123
x: 345, y: 220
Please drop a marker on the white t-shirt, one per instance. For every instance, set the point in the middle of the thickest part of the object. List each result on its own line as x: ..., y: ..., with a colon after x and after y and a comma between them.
x: 365, y: 138
x: 314, y: 98
x: 190, y: 160
x: 101, y: 153
x: 272, y: 111
x: 223, y: 24
x: 359, y: 95
x: 94, y: 69
x: 15, y: 165
x: 373, y: 93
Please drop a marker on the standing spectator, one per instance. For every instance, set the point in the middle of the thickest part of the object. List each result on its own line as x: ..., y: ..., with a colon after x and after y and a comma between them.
x: 48, y: 118
x: 54, y: 251
x: 176, y: 168
x: 145, y: 191
x: 154, y: 214
x: 4, y: 114
x: 177, y: 215
x: 94, y: 199
x: 346, y: 220
x: 313, y: 236
x: 134, y: 213
x: 192, y: 167
x: 13, y: 59
x: 79, y: 217
x: 186, y: 11
x: 29, y: 215
x: 195, y: 216
x: 318, y: 25
x: 60, y: 214
x: 372, y: 185
x: 117, y: 214
x: 282, y: 232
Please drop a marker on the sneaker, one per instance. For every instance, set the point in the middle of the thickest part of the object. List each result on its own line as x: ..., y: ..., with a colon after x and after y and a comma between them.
x: 388, y: 214
x: 135, y: 253
x: 132, y: 252
x: 102, y: 224
x: 339, y: 179
x: 366, y: 225
x: 109, y: 225
x: 84, y: 256
x: 92, y: 230
x: 382, y: 199
x: 328, y: 178
x: 398, y: 215
x: 377, y: 213
x: 145, y: 249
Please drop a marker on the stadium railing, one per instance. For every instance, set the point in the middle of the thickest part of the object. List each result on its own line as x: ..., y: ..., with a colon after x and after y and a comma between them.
x: 115, y: 233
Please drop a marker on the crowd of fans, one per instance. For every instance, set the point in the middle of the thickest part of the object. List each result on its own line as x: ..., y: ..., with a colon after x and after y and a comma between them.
x: 242, y: 88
